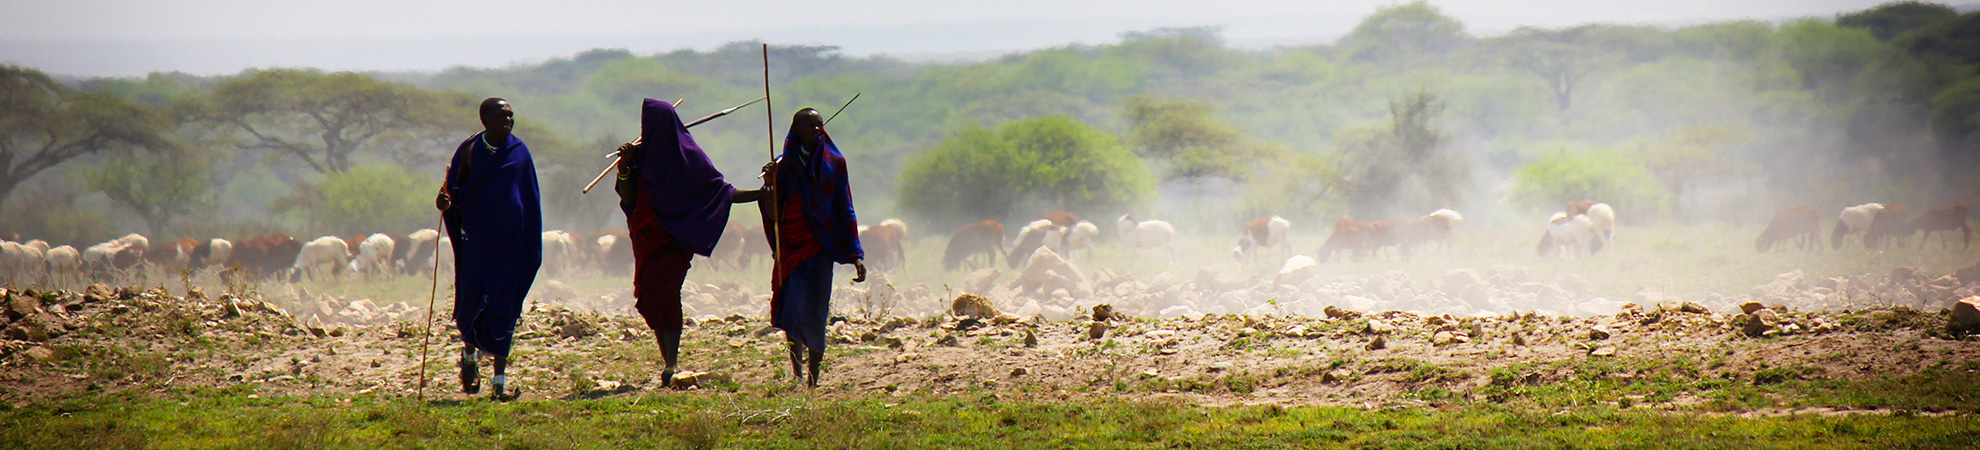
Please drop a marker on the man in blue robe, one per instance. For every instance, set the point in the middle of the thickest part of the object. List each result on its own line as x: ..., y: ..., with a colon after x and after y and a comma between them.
x: 493, y: 214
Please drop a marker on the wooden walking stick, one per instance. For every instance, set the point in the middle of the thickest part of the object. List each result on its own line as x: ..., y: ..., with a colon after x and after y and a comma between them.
x: 431, y: 298
x: 776, y: 198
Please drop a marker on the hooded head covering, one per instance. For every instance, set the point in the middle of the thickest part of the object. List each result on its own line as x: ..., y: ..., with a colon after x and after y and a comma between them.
x: 682, y: 185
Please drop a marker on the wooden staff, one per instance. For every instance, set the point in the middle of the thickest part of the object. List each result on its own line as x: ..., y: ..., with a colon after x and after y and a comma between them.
x: 776, y: 198
x: 431, y: 298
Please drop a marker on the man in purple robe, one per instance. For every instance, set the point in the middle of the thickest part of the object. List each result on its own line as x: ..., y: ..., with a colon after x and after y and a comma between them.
x: 816, y: 227
x: 676, y: 205
x: 493, y: 215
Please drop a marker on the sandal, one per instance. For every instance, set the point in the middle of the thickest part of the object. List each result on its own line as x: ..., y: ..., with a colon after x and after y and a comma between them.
x: 501, y: 383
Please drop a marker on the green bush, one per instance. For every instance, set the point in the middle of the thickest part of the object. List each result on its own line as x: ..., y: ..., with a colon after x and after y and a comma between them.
x: 369, y: 198
x: 1052, y: 161
x: 1606, y: 176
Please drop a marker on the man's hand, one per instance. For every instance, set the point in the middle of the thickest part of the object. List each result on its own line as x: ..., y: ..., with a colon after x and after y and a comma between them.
x: 627, y: 154
x: 445, y: 200
x: 859, y: 270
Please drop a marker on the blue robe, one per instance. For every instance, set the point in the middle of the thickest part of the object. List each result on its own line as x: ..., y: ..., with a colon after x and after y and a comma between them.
x: 496, y: 224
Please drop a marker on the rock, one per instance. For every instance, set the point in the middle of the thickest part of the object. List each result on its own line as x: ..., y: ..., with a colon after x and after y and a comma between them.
x: 1750, y: 307
x: 1599, y: 333
x: 1097, y: 330
x: 1030, y: 338
x: 1103, y: 312
x: 1969, y: 275
x: 1760, y: 322
x: 1605, y: 350
x: 1519, y: 340
x: 1966, y: 313
x: 1297, y: 269
x: 1020, y: 371
x: 1220, y: 277
x: 19, y: 306
x: 1378, y: 343
x: 1335, y: 312
x: 1903, y: 275
x: 1460, y: 280
x: 39, y: 354
x: 1692, y: 308
x: 972, y: 305
x: 980, y: 282
x: 1504, y: 275
x: 1378, y: 327
x: 315, y: 327
x: 1443, y: 338
x: 98, y: 292
x: 1336, y: 375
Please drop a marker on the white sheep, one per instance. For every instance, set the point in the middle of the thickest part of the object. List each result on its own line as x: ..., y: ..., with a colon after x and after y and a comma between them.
x: 324, y: 250
x: 64, y: 262
x: 1081, y: 237
x: 1854, y: 220
x: 374, y: 255
x: 19, y: 263
x: 1266, y: 232
x: 1038, y: 234
x: 1604, y: 222
x: 1147, y: 234
x: 1571, y: 236
x: 559, y: 251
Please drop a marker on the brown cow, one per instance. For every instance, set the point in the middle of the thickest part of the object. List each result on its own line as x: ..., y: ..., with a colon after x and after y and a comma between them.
x: 1889, y: 224
x: 1947, y: 217
x: 617, y: 260
x: 1798, y: 225
x: 171, y: 255
x: 981, y: 238
x: 1367, y: 239
x: 883, y: 247
x: 1062, y: 218
x: 265, y: 255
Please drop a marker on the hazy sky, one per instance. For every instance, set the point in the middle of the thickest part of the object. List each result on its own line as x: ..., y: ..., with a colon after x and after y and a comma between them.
x: 125, y: 37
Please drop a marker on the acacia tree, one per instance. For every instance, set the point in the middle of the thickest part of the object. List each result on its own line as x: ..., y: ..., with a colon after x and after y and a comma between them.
x: 159, y: 186
x: 1561, y: 58
x: 43, y: 123
x: 324, y: 119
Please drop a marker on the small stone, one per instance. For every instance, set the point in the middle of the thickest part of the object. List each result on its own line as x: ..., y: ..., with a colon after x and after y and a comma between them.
x: 39, y: 354
x: 972, y: 305
x: 1220, y: 366
x: 1336, y: 376
x: 1605, y: 350
x: 1018, y: 372
x: 1759, y: 323
x: 1336, y: 312
x: 1097, y: 330
x: 1103, y: 312
x: 1693, y: 308
x: 1750, y: 307
x: 1966, y: 313
x: 1030, y: 338
x: 1443, y: 338
x: 1599, y: 333
x: 1378, y: 343
x: 1378, y: 327
x: 1519, y: 340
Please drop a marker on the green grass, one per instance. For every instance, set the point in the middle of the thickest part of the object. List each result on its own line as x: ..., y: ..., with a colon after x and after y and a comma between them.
x: 701, y: 420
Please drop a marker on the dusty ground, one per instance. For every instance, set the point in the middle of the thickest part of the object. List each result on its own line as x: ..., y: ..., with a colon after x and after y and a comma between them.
x: 66, y: 343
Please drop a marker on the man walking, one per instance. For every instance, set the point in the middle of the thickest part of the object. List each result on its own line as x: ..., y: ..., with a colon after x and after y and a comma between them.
x: 493, y: 215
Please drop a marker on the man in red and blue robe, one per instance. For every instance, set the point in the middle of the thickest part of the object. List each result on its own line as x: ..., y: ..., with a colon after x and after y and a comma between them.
x: 676, y: 205
x: 815, y: 228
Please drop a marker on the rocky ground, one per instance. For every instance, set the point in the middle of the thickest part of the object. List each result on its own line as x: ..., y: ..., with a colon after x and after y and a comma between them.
x: 1118, y: 344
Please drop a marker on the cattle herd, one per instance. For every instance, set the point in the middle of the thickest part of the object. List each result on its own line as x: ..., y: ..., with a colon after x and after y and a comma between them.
x: 1052, y: 242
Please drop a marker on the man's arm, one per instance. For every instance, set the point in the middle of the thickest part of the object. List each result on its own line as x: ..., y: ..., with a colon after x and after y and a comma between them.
x: 628, y: 178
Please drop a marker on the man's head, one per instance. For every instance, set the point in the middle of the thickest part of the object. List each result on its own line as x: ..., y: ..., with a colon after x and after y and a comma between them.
x: 808, y: 124
x: 497, y: 118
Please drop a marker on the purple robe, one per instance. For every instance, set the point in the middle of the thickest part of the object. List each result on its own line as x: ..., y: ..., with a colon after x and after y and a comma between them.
x: 496, y: 224
x: 686, y: 192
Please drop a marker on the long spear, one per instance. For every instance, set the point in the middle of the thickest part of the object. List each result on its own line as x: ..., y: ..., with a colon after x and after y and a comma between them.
x: 615, y: 154
x: 842, y: 108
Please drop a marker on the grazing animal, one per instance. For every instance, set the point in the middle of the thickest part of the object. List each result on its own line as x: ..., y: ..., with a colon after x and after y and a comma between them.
x: 615, y: 255
x: 266, y: 255
x: 1349, y: 236
x: 1946, y: 218
x: 213, y: 252
x: 64, y: 263
x: 1434, y: 228
x: 984, y: 238
x: 1573, y: 237
x: 402, y: 246
x: 1264, y: 232
x: 728, y: 249
x: 1062, y: 218
x: 1604, y: 219
x: 1854, y: 220
x: 1081, y: 237
x: 1041, y: 233
x: 1798, y: 225
x: 1887, y: 227
x: 1147, y: 234
x: 331, y: 250
x: 884, y: 245
x: 374, y: 255
x: 172, y: 255
x: 559, y: 252
x: 20, y: 263
x: 419, y: 251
